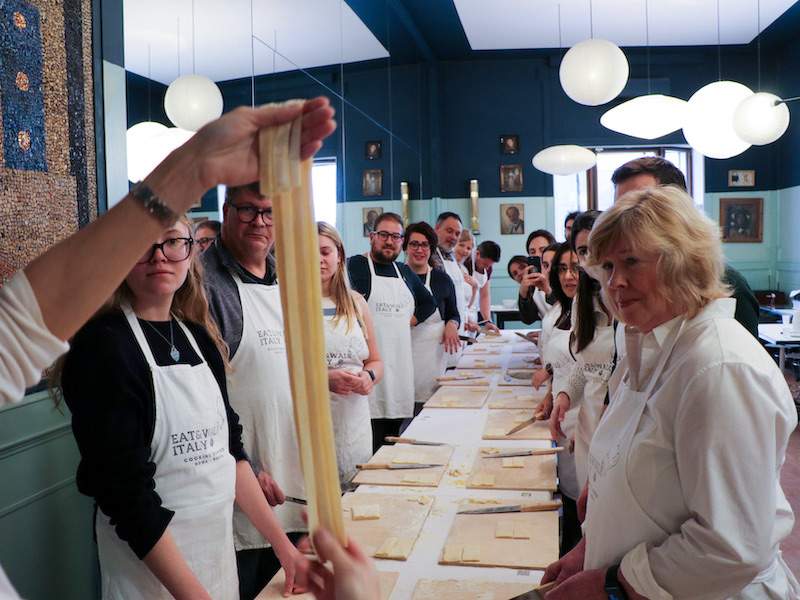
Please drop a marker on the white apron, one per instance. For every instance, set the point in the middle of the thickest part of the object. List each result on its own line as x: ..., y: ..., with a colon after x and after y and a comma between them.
x: 615, y: 522
x: 427, y: 350
x: 470, y: 302
x: 348, y: 350
x: 595, y: 361
x: 260, y: 392
x: 195, y: 477
x: 392, y: 306
x: 453, y: 269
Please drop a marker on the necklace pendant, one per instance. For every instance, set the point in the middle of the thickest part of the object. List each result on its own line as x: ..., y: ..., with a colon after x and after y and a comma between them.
x: 173, y: 352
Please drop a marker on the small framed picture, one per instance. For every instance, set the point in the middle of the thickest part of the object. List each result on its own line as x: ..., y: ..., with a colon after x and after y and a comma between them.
x: 510, y: 178
x: 741, y: 220
x: 368, y: 217
x: 512, y: 219
x: 373, y: 150
x: 742, y: 178
x: 372, y: 182
x: 509, y: 144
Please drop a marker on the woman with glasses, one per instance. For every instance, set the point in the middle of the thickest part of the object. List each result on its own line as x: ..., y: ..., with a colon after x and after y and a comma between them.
x: 351, y: 350
x: 161, y: 448
x: 431, y: 340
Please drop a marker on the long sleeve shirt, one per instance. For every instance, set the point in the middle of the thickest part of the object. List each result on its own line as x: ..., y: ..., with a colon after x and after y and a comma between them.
x: 107, y: 386
x: 444, y: 293
x: 361, y: 281
x: 27, y: 345
x: 533, y: 307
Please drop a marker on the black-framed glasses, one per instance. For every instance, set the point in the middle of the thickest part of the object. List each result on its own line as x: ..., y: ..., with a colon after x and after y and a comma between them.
x: 385, y: 235
x: 205, y: 241
x: 173, y: 249
x: 248, y: 213
x: 419, y: 245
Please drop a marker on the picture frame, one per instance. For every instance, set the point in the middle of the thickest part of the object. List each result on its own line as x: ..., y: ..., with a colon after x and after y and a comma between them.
x: 512, y: 219
x: 511, y: 178
x: 368, y: 216
x: 372, y: 182
x: 373, y: 149
x: 509, y: 143
x: 742, y: 178
x: 741, y: 220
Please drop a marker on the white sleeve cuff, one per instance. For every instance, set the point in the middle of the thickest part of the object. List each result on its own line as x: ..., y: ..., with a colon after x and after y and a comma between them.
x: 635, y: 567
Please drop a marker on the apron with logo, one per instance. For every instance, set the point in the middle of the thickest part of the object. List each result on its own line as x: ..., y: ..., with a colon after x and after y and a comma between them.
x: 195, y: 477
x: 392, y: 306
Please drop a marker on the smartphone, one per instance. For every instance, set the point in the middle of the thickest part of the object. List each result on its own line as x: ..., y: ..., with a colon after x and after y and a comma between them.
x: 535, y: 262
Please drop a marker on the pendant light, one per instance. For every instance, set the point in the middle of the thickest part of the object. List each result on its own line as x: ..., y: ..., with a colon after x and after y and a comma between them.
x: 709, y: 114
x: 647, y: 117
x: 192, y: 100
x: 763, y: 117
x: 564, y: 160
x: 593, y: 71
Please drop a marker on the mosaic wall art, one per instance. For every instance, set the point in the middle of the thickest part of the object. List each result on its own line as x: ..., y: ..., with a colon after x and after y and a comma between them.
x: 48, y: 184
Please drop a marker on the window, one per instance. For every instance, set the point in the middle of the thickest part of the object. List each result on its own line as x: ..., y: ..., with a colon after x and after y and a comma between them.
x: 595, y: 190
x: 323, y: 186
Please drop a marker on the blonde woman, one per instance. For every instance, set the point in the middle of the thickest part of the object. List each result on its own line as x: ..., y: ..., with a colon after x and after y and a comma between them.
x: 354, y: 363
x: 161, y: 449
x: 463, y: 251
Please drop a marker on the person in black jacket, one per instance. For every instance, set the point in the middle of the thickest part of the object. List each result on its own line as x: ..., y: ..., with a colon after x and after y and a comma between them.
x: 161, y: 448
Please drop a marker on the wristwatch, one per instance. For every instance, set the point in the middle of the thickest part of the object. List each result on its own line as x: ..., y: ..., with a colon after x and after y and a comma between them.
x: 370, y: 373
x: 153, y: 204
x: 549, y: 368
x: 613, y: 587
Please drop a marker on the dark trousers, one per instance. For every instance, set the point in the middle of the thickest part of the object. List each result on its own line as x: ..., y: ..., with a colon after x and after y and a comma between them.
x: 383, y: 427
x: 570, y: 525
x: 257, y: 568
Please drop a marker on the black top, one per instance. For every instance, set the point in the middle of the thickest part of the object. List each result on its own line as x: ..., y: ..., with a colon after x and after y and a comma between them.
x: 107, y: 386
x: 444, y: 293
x: 361, y: 281
x: 528, y: 311
x: 222, y: 293
x: 746, y: 302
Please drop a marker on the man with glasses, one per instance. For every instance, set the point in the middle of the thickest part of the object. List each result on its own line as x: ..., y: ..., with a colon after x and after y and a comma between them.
x: 398, y: 301
x: 205, y: 233
x: 244, y: 299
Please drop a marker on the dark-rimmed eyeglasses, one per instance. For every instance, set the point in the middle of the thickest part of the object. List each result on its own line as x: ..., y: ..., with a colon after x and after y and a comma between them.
x: 203, y: 242
x: 173, y: 249
x: 248, y: 213
x: 419, y: 245
x: 385, y: 235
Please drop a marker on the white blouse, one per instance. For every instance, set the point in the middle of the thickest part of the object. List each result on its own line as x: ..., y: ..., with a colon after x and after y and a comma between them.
x: 27, y: 345
x: 705, y: 462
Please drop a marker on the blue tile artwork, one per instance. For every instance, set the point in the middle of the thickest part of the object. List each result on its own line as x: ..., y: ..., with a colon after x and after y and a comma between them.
x: 21, y: 86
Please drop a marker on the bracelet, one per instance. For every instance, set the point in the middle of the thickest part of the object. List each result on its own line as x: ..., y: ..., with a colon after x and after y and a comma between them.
x: 549, y: 368
x: 153, y: 204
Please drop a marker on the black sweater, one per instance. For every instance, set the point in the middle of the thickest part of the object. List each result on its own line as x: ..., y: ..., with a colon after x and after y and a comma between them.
x: 444, y: 293
x: 107, y: 386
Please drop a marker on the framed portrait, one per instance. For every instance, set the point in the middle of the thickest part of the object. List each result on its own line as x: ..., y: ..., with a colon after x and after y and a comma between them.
x: 741, y: 220
x: 510, y: 178
x: 368, y: 217
x: 509, y: 144
x: 742, y: 178
x: 512, y: 219
x: 372, y: 182
x: 373, y: 149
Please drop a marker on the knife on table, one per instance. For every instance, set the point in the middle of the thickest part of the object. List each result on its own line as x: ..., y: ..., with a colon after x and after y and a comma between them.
x: 511, y: 453
x: 536, y: 593
x: 294, y: 500
x: 521, y: 426
x: 458, y: 377
x: 513, y: 508
x: 394, y: 466
x: 402, y: 440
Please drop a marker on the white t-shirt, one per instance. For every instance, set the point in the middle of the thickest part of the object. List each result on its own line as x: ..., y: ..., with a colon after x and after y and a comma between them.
x: 28, y: 346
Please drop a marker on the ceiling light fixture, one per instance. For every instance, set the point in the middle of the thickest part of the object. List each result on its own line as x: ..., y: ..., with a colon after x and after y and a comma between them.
x: 564, y: 160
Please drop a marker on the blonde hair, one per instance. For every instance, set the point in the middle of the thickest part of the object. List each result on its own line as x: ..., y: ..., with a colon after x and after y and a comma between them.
x: 664, y: 221
x: 340, y: 291
x: 189, y: 303
x: 466, y: 235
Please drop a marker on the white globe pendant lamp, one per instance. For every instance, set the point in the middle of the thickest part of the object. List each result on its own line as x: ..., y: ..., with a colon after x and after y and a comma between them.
x: 139, y: 146
x: 709, y: 119
x: 192, y: 101
x: 761, y: 119
x: 154, y: 150
x: 647, y: 117
x: 593, y: 72
x: 564, y: 160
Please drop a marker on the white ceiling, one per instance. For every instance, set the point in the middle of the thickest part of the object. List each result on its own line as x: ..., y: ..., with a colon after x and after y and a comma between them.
x: 309, y: 33
x: 518, y: 24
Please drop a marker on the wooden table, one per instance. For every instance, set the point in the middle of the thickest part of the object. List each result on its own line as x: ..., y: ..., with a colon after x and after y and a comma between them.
x: 773, y: 333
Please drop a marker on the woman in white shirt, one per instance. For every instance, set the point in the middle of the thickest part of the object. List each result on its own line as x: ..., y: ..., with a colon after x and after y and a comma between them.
x: 463, y: 251
x: 684, y: 468
x: 354, y: 362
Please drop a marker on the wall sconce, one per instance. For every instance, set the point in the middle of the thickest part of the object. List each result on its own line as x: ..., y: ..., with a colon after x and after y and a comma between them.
x: 473, y: 196
x: 404, y: 202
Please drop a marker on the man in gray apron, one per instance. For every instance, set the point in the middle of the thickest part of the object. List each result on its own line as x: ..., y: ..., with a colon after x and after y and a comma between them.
x: 244, y: 298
